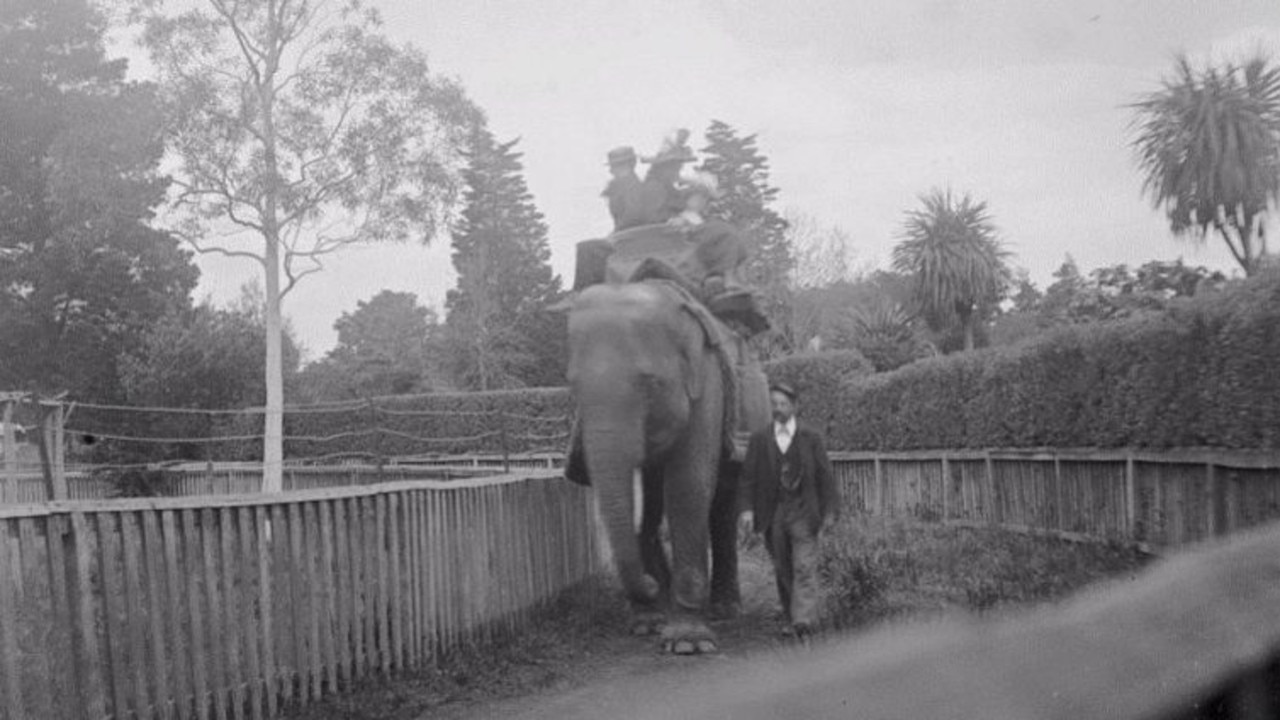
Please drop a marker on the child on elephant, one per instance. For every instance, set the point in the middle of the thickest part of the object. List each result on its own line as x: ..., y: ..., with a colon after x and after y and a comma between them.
x: 722, y: 252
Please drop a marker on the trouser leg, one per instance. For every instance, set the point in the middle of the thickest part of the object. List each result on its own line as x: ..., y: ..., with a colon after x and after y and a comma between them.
x: 778, y: 543
x: 805, y: 591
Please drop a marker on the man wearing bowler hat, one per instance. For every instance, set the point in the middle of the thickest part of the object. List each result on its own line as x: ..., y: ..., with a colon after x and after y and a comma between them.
x: 625, y: 194
x: 624, y: 190
x: 790, y: 494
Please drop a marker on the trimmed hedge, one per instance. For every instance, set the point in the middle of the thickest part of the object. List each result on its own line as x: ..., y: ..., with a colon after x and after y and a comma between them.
x: 534, y: 419
x: 818, y: 379
x: 1200, y: 374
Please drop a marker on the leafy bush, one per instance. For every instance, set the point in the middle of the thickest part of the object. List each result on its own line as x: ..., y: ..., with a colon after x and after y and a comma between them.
x: 873, y: 568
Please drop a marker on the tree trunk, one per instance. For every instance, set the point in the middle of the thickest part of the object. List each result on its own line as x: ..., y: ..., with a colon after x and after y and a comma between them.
x: 273, y: 417
x: 273, y: 429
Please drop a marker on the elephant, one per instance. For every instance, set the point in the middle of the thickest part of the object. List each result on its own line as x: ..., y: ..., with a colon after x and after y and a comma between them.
x: 652, y: 377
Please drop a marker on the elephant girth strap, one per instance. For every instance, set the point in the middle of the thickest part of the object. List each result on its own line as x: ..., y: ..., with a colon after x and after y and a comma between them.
x: 718, y: 338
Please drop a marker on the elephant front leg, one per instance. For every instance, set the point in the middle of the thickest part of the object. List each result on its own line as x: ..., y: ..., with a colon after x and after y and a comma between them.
x: 649, y: 619
x: 726, y: 598
x: 688, y: 500
x: 652, y: 552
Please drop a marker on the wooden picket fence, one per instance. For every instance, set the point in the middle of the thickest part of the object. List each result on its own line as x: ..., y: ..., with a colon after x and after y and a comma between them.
x: 239, y: 606
x: 1157, y: 499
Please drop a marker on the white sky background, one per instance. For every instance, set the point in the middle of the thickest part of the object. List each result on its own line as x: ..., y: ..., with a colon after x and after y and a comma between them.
x: 860, y: 107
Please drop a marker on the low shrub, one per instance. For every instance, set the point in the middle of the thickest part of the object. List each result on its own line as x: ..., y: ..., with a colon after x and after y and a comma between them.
x: 874, y: 568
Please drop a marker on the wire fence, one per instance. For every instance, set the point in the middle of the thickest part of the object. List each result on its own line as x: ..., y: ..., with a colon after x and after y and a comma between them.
x: 55, y: 448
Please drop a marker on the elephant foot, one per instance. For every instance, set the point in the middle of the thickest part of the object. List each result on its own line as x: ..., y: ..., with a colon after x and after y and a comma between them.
x: 688, y: 638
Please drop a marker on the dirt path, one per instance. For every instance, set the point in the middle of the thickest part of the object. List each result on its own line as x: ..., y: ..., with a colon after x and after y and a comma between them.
x: 582, y: 663
x: 601, y: 681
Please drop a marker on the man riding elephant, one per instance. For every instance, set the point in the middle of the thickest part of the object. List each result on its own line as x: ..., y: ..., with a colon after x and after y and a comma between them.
x: 634, y: 203
x: 667, y: 198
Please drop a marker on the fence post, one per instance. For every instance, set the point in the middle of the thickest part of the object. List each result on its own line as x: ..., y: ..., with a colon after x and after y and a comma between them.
x: 879, y: 500
x: 51, y: 455
x: 9, y: 491
x: 994, y: 514
x: 1217, y: 523
x: 1130, y: 498
x: 506, y: 449
x: 946, y: 486
x: 1057, y: 491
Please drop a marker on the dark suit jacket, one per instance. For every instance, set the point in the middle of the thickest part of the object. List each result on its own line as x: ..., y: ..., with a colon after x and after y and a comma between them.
x: 626, y: 202
x: 761, y: 489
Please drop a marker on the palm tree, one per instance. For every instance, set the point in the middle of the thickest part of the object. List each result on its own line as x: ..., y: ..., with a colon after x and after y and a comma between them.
x: 885, y: 334
x: 957, y: 266
x: 1209, y: 145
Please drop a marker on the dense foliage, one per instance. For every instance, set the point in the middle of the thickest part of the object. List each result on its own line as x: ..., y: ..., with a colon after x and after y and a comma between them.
x: 202, y: 358
x: 82, y: 274
x: 386, y: 346
x: 498, y: 333
x: 746, y: 202
x: 1107, y: 293
x: 1198, y: 374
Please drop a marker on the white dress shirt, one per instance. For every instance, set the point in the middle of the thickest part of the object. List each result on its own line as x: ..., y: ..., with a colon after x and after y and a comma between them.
x: 783, y: 433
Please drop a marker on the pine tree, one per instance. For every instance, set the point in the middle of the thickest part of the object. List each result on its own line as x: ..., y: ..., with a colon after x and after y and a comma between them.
x: 499, y: 334
x: 746, y: 196
x: 83, y: 275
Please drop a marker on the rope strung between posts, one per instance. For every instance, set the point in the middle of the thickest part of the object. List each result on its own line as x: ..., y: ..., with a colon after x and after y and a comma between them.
x: 296, y: 438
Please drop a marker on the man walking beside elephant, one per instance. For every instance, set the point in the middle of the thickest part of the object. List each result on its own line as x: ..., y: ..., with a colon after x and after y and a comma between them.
x: 790, y: 494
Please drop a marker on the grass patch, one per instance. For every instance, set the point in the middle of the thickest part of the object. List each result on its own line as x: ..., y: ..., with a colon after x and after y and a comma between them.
x: 874, y: 569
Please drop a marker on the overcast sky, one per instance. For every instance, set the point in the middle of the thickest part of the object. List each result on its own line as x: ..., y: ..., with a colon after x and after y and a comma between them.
x: 859, y: 106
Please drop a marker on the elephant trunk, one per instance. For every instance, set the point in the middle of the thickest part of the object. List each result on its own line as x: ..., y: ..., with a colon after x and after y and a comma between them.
x: 614, y: 448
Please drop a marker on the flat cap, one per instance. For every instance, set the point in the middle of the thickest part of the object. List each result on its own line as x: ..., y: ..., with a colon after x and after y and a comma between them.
x: 783, y: 388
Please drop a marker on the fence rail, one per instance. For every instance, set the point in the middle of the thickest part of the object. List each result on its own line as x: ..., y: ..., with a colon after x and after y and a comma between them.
x: 28, y: 485
x: 237, y: 606
x: 1156, y: 499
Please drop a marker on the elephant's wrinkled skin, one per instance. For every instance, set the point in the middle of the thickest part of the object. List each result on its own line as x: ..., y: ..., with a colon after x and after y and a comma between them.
x: 650, y: 395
